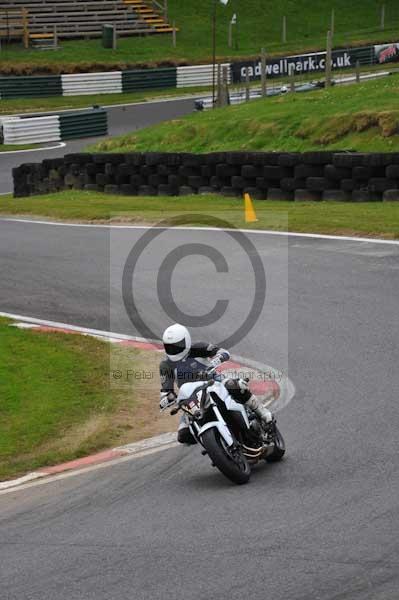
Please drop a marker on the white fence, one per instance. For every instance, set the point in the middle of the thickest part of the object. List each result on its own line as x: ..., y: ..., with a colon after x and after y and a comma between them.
x: 92, y: 83
x: 199, y: 75
x: 31, y: 131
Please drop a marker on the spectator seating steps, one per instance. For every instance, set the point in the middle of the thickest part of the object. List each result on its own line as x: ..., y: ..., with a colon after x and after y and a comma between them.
x: 74, y: 17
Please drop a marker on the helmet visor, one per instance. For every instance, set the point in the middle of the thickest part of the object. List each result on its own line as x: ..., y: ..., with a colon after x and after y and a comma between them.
x: 175, y: 348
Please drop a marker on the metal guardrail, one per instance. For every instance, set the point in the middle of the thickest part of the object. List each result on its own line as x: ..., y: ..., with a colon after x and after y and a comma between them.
x: 199, y: 75
x: 54, y: 128
x: 144, y: 79
x: 84, y: 84
x: 90, y: 123
x: 29, y: 131
x: 30, y: 87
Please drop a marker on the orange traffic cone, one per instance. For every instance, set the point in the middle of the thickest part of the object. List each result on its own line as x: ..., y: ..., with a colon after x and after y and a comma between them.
x: 250, y: 214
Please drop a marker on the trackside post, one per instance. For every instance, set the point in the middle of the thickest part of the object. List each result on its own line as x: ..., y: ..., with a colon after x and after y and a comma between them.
x: 263, y: 74
x: 328, y: 59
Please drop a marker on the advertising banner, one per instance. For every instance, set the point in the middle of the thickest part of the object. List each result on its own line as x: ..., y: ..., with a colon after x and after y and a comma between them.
x: 314, y: 62
x: 387, y: 53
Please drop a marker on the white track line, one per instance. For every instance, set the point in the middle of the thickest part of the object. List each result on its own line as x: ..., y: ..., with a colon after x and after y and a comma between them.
x: 155, y: 443
x: 84, y: 470
x: 316, y: 236
x: 60, y: 145
x: 78, y: 329
x: 28, y: 478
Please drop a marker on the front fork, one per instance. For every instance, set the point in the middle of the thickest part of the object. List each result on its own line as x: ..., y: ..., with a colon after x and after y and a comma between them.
x: 219, y: 423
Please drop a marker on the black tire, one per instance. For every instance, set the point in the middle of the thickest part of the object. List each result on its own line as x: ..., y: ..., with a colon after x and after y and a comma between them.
x: 348, y: 160
x: 232, y: 470
x: 279, y: 449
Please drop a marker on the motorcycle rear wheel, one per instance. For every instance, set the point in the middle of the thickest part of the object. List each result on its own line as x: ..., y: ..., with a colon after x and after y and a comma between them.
x: 279, y: 448
x: 235, y: 469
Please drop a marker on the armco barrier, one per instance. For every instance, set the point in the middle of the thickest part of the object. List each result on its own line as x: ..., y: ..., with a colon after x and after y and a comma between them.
x: 199, y: 75
x: 32, y: 130
x: 30, y: 87
x: 92, y: 83
x: 112, y: 82
x: 145, y: 79
x: 271, y: 175
x: 83, y: 124
x: 29, y: 131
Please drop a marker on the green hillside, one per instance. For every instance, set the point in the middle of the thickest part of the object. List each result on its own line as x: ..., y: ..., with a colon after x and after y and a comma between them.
x: 361, y: 117
x: 259, y: 24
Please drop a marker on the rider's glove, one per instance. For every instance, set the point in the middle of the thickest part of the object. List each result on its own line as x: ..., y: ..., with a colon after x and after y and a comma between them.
x: 220, y: 358
x: 167, y: 399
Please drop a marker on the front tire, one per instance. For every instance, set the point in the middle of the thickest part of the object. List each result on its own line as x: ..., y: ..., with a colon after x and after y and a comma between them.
x: 237, y: 470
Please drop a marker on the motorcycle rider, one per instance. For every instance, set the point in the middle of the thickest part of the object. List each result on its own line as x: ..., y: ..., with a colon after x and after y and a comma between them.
x: 187, y: 362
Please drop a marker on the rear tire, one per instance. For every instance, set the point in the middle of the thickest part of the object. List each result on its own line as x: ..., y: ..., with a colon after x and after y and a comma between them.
x: 279, y: 448
x: 237, y: 473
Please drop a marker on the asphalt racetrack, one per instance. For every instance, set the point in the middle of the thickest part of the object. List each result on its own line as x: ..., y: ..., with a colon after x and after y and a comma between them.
x: 321, y: 524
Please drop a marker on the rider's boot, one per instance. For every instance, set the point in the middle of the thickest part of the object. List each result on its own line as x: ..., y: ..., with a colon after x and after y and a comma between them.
x: 259, y: 409
x: 239, y: 390
x: 264, y: 415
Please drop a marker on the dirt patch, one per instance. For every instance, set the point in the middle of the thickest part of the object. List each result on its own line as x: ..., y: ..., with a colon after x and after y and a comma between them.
x: 138, y: 416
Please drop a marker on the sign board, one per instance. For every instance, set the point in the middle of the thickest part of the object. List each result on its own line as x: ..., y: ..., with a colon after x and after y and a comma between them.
x: 316, y: 62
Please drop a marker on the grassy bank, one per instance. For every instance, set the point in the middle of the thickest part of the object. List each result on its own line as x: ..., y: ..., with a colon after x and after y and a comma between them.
x: 57, y: 403
x: 259, y: 25
x: 376, y: 219
x: 362, y: 117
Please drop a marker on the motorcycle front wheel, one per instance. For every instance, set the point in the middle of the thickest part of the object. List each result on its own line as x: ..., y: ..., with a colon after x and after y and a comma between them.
x: 233, y: 465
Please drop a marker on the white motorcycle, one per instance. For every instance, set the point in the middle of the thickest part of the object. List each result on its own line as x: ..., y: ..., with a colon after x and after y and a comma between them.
x: 229, y: 432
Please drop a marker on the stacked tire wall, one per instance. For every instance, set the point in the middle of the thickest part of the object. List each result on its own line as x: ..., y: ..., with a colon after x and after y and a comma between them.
x: 311, y: 176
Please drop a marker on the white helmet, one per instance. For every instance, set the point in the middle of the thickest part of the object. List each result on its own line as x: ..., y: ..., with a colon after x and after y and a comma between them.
x: 177, y: 342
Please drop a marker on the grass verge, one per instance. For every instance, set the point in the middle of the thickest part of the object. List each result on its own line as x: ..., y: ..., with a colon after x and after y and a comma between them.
x: 57, y: 403
x: 259, y: 25
x: 374, y: 219
x: 362, y: 117
x: 13, y: 147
